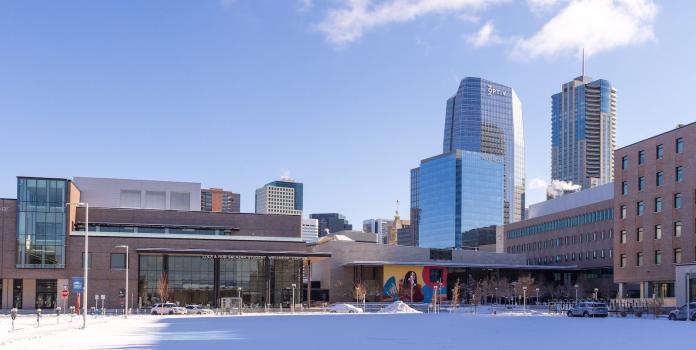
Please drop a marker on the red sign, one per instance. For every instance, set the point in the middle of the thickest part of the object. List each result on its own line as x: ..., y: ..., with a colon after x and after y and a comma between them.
x: 64, y: 294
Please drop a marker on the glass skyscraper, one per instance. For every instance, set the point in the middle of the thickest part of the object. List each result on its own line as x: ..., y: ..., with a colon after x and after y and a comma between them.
x: 583, y: 118
x: 486, y: 117
x: 458, y: 192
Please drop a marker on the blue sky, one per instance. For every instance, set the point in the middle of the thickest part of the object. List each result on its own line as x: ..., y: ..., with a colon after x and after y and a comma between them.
x: 344, y: 95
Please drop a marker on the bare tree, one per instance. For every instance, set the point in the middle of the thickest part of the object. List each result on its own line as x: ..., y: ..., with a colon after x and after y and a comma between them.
x: 455, y: 294
x: 163, y: 287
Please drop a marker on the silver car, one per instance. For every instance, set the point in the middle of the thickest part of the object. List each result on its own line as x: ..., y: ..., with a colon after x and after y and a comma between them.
x: 589, y: 309
x: 680, y: 313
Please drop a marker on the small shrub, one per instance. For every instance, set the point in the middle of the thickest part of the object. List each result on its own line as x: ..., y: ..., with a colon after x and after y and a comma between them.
x: 639, y: 314
x: 623, y: 313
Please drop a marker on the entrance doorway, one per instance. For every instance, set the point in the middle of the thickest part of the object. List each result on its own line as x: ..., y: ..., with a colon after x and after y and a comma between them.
x: 46, y: 292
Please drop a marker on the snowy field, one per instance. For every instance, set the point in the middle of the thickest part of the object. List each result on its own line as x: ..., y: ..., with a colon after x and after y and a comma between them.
x: 353, y: 331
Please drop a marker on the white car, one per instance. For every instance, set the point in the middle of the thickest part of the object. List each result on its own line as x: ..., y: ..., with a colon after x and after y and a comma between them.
x: 167, y: 309
x: 198, y: 310
x: 344, y: 309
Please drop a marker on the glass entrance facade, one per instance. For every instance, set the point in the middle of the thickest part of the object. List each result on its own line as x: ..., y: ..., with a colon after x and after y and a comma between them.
x: 259, y: 280
x: 46, y: 294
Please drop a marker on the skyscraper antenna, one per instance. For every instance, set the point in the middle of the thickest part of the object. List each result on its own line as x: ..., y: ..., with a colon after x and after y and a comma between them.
x: 583, y: 61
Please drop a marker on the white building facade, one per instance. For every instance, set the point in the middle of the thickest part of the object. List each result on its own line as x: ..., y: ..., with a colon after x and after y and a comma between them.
x: 276, y: 200
x: 310, y: 230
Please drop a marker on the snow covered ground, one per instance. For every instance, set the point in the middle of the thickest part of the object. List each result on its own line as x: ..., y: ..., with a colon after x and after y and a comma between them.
x: 354, y: 331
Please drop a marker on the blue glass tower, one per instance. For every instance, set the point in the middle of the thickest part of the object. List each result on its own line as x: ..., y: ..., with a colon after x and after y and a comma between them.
x: 458, y: 192
x: 486, y: 117
x: 583, y: 118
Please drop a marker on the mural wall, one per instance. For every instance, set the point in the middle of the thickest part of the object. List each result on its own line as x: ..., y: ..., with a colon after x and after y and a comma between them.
x: 399, y: 279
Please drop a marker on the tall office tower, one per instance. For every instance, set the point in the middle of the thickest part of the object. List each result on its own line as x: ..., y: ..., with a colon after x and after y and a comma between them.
x: 486, y: 117
x: 410, y: 238
x: 380, y: 227
x: 331, y: 222
x: 220, y: 201
x: 460, y: 199
x: 583, y: 118
x: 282, y: 197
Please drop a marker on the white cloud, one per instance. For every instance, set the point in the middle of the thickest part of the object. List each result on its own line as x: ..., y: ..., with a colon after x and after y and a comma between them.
x: 348, y: 23
x: 304, y: 5
x: 485, y: 36
x: 543, y: 5
x: 596, y: 25
x: 538, y: 184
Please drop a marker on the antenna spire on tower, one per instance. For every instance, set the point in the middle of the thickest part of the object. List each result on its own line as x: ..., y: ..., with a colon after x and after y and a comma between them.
x: 583, y: 61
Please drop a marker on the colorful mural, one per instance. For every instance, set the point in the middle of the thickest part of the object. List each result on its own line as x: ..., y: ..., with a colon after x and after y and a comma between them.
x: 399, y: 279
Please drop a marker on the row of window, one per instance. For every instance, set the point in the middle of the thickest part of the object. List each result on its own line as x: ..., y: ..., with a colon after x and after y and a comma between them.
x: 657, y: 258
x: 659, y: 180
x: 116, y: 261
x: 580, y: 256
x: 561, y: 241
x: 659, y: 153
x: 657, y: 232
x: 582, y: 219
x: 657, y: 206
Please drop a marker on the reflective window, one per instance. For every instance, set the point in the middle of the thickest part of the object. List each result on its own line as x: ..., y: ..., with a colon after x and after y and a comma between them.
x: 679, y: 174
x: 677, y: 228
x: 659, y: 152
x: 679, y: 145
x: 658, y: 204
x: 640, y: 208
x: 624, y: 162
x: 624, y: 187
x: 658, y: 257
x: 677, y: 201
x: 659, y: 179
x: 641, y: 157
x: 658, y: 231
x: 639, y: 259
x: 118, y: 260
x: 677, y: 255
x: 641, y: 183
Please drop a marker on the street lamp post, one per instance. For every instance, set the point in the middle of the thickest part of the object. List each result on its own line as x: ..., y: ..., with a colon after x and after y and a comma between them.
x: 293, y: 297
x: 125, y: 303
x: 596, y: 293
x: 524, y: 293
x: 576, y: 293
x: 537, y: 290
x: 496, y: 295
x: 85, y: 261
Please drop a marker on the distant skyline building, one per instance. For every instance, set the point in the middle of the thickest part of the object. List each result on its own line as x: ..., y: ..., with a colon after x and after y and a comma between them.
x: 459, y: 195
x: 486, y: 117
x: 220, y: 201
x: 583, y: 118
x: 380, y: 227
x: 331, y: 222
x: 283, y: 197
x: 310, y: 230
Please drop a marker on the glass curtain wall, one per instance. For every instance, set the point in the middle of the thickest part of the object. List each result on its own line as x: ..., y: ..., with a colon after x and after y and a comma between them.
x: 245, y: 276
x: 191, y: 280
x: 41, y: 223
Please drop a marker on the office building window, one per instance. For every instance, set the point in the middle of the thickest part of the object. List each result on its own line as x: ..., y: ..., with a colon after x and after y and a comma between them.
x: 677, y: 201
x: 679, y: 174
x: 659, y: 179
x: 623, y: 236
x: 622, y: 260
x: 677, y: 228
x: 639, y: 259
x: 640, y: 208
x: 641, y: 183
x: 680, y: 145
x: 118, y: 260
x: 658, y: 231
x: 624, y: 187
x: 624, y: 162
x: 658, y: 257
x: 658, y: 204
x: 639, y: 234
x: 623, y: 211
x: 659, y: 152
x: 641, y: 157
x: 677, y: 255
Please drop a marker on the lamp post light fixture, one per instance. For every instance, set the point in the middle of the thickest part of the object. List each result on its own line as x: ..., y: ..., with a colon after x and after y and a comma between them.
x: 524, y: 293
x: 537, y: 291
x: 576, y: 293
x: 125, y: 303
x: 85, y: 261
x: 596, y: 293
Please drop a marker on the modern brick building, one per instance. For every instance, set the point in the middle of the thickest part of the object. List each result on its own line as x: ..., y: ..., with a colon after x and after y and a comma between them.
x: 654, y: 204
x: 576, y: 230
x: 220, y: 201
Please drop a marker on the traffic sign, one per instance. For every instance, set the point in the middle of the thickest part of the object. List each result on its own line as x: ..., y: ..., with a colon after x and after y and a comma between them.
x: 77, y: 284
x: 64, y: 294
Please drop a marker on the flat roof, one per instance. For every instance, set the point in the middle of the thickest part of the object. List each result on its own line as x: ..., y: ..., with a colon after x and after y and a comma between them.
x: 233, y: 252
x: 460, y: 264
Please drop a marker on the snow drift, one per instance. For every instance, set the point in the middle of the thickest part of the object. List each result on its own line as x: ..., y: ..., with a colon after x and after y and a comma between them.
x: 398, y: 307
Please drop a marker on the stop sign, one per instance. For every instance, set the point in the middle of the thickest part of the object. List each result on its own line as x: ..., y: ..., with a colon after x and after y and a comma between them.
x: 64, y: 294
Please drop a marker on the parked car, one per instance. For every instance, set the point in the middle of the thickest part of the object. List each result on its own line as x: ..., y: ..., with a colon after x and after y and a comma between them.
x: 344, y: 309
x: 198, y: 310
x: 680, y: 313
x: 167, y: 309
x: 589, y: 309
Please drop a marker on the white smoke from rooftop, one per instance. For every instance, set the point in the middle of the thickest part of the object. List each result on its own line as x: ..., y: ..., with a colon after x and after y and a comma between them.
x: 558, y: 188
x: 286, y: 176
